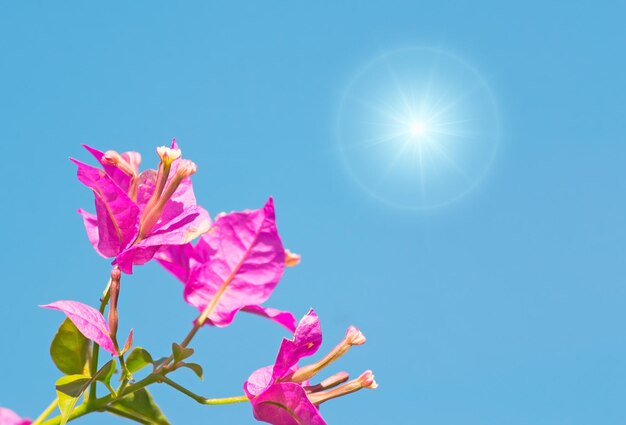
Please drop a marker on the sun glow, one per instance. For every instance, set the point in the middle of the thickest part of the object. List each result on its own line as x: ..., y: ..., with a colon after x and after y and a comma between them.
x: 418, y: 128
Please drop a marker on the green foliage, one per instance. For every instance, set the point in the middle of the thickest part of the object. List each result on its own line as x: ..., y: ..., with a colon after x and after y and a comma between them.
x: 196, y: 368
x: 181, y: 353
x: 71, y: 387
x: 70, y: 350
x: 139, y: 407
x: 105, y: 374
x: 138, y: 359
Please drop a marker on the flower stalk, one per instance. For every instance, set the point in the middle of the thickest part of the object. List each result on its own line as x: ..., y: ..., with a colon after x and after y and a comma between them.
x: 203, y: 400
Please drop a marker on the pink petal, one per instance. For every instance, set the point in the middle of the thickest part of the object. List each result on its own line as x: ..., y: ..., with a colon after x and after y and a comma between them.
x: 175, y: 259
x: 117, y: 175
x: 88, y: 320
x: 181, y: 201
x: 133, y: 159
x: 286, y: 403
x: 194, y: 222
x: 306, y: 341
x: 184, y: 193
x: 284, y: 318
x: 145, y: 187
x: 91, y: 226
x: 246, y: 261
x: 135, y: 255
x: 258, y: 381
x: 109, y: 238
x: 117, y: 213
x: 190, y: 223
x: 182, y: 198
x: 9, y: 417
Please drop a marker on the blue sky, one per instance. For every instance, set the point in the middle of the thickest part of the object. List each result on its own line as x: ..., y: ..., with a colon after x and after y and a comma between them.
x: 507, y: 307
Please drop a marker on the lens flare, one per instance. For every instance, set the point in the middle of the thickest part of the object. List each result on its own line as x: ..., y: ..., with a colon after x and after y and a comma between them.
x: 418, y: 128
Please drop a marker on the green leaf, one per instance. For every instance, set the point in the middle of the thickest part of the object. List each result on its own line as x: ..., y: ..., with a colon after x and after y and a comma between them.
x: 140, y: 407
x: 180, y: 352
x: 197, y: 369
x: 105, y: 374
x: 72, y: 385
x: 70, y: 350
x: 138, y: 359
x: 69, y: 389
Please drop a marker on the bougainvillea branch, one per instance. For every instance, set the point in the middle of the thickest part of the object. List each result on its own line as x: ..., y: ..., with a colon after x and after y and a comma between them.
x: 235, y: 265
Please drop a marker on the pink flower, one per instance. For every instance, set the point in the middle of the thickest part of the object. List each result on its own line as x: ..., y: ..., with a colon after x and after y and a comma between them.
x: 8, y: 417
x: 91, y: 323
x: 235, y: 266
x: 281, y: 394
x: 138, y: 213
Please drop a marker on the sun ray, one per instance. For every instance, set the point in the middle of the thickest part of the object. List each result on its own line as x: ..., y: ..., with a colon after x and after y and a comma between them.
x: 391, y: 165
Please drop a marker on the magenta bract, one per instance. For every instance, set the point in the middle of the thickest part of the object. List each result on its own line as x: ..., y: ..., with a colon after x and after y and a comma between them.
x: 286, y: 403
x: 234, y: 266
x: 138, y: 213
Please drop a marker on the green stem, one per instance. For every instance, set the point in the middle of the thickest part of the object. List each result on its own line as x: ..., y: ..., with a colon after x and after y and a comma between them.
x: 185, y: 343
x: 197, y: 324
x: 226, y: 400
x: 202, y: 318
x: 202, y: 400
x: 46, y: 412
x: 148, y: 380
x: 93, y: 364
x: 191, y: 334
x: 103, y: 402
x: 125, y: 373
x: 93, y: 403
x: 81, y: 410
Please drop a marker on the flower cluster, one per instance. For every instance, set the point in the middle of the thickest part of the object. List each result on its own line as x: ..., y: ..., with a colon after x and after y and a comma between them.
x: 139, y: 213
x: 282, y: 393
x: 235, y: 265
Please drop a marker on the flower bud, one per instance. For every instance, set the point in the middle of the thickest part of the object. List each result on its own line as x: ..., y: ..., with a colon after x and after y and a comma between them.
x: 366, y: 380
x: 186, y: 168
x: 153, y: 210
x: 114, y: 292
x: 168, y: 155
x: 292, y: 259
x: 330, y: 382
x: 115, y: 159
x: 354, y: 336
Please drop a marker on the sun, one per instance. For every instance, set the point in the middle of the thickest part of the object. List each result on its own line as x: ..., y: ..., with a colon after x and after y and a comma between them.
x: 417, y: 129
